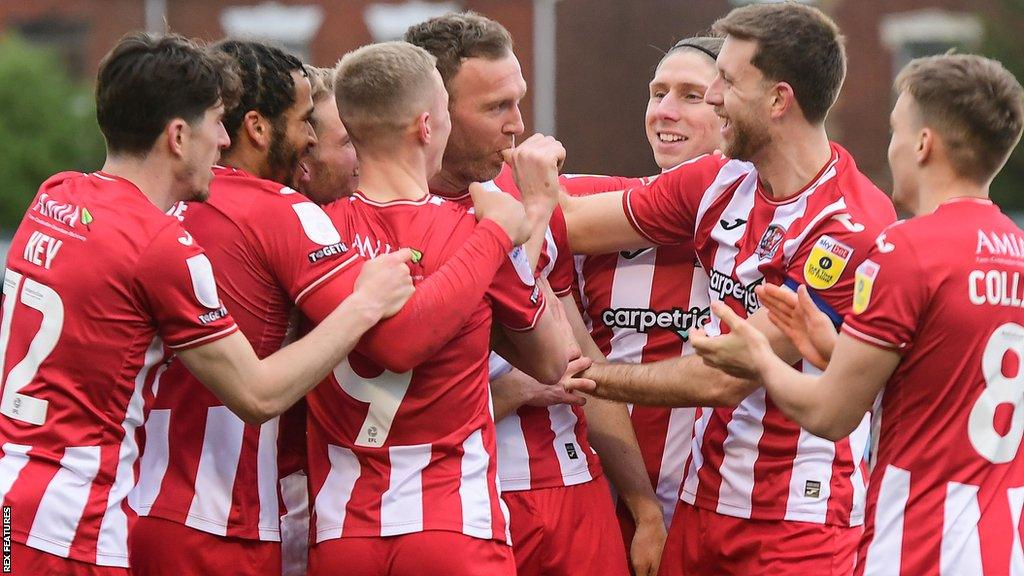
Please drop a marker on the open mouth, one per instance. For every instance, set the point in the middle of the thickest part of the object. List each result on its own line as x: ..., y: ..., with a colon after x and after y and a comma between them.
x: 668, y: 138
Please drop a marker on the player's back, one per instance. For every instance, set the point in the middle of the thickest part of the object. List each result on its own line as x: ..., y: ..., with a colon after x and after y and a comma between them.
x: 946, y: 488
x: 395, y: 453
x: 89, y: 305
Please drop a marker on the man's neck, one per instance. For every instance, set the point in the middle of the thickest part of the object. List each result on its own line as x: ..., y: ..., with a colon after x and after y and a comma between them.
x: 939, y: 186
x: 789, y: 164
x: 447, y: 185
x: 155, y: 182
x: 388, y: 179
x: 247, y: 160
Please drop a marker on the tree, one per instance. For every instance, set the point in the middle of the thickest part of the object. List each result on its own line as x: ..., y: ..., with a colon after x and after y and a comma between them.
x: 47, y: 124
x: 1003, y: 42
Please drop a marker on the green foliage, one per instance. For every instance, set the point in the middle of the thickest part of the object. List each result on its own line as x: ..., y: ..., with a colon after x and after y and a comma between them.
x: 1004, y: 43
x: 47, y: 124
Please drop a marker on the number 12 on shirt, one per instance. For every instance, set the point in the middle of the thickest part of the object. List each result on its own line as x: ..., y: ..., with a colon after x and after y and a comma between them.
x: 44, y: 299
x: 384, y: 394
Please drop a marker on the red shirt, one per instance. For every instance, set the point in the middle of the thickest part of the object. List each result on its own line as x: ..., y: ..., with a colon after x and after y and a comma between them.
x: 98, y: 282
x: 543, y: 447
x: 202, y: 466
x: 945, y: 291
x: 411, y: 450
x: 751, y: 461
x: 640, y: 306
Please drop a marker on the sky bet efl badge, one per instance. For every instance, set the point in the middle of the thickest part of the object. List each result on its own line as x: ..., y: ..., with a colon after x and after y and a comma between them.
x: 826, y: 263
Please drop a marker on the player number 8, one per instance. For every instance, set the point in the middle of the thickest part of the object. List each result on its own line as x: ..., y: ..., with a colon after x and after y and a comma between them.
x: 999, y: 389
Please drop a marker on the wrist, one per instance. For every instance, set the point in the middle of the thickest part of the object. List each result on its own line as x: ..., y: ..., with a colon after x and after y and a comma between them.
x: 363, y: 309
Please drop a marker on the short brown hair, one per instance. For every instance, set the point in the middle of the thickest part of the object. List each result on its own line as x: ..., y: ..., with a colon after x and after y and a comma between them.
x: 146, y: 81
x: 974, y: 103
x: 796, y: 44
x: 382, y: 87
x: 321, y: 80
x: 453, y: 37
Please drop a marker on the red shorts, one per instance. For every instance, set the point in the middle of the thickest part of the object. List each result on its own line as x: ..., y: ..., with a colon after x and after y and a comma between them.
x: 566, y: 531
x: 702, y: 542
x: 416, y: 554
x: 26, y: 560
x: 161, y: 547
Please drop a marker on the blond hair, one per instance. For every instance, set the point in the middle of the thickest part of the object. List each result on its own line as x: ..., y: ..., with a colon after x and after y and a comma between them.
x: 381, y: 88
x: 321, y: 80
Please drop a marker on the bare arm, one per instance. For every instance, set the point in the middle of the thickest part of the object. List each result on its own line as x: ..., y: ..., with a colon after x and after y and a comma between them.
x: 257, y: 390
x: 543, y: 352
x: 610, y: 432
x: 831, y: 405
x: 685, y: 381
x: 597, y: 224
x: 516, y: 389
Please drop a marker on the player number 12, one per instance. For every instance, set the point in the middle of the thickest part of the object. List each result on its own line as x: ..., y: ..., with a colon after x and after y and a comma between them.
x: 18, y: 288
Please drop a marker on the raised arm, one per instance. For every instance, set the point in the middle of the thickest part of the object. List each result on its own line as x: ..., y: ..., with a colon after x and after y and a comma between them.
x: 598, y: 225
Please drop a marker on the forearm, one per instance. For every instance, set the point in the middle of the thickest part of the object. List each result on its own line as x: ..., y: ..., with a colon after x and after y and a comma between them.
x: 507, y: 394
x: 597, y: 224
x: 538, y: 216
x: 611, y: 434
x: 257, y: 390
x: 674, y: 382
x: 441, y: 304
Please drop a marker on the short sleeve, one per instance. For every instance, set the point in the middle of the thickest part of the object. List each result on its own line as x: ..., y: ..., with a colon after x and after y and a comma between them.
x: 664, y: 210
x: 517, y: 300
x: 303, y: 245
x: 826, y: 261
x: 175, y: 279
x: 891, y: 294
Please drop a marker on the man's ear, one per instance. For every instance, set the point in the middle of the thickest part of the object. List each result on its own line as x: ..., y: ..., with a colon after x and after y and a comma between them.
x: 927, y: 140
x: 782, y: 100
x: 177, y: 134
x: 423, y: 127
x: 257, y: 129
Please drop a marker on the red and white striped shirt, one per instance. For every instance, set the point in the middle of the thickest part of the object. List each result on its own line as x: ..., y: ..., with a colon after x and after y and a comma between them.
x: 202, y: 466
x: 396, y: 453
x: 750, y: 461
x: 639, y: 306
x: 98, y: 281
x: 947, y: 485
x: 544, y: 447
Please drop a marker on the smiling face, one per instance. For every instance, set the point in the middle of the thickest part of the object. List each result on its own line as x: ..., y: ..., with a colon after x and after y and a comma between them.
x: 292, y: 138
x: 485, y: 116
x: 740, y: 97
x: 680, y: 124
x: 332, y: 166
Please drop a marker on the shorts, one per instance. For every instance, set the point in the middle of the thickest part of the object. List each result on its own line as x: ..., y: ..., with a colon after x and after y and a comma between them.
x: 705, y: 543
x: 26, y: 560
x: 160, y: 547
x: 416, y: 554
x: 566, y: 531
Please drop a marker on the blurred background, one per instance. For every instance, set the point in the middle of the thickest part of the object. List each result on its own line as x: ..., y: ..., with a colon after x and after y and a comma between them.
x: 587, y: 63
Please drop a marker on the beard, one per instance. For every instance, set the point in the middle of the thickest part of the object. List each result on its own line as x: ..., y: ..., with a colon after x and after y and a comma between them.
x: 282, y: 158
x: 749, y: 137
x: 466, y: 161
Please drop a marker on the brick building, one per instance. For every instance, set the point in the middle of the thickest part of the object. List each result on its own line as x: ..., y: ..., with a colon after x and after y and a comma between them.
x: 587, y: 61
